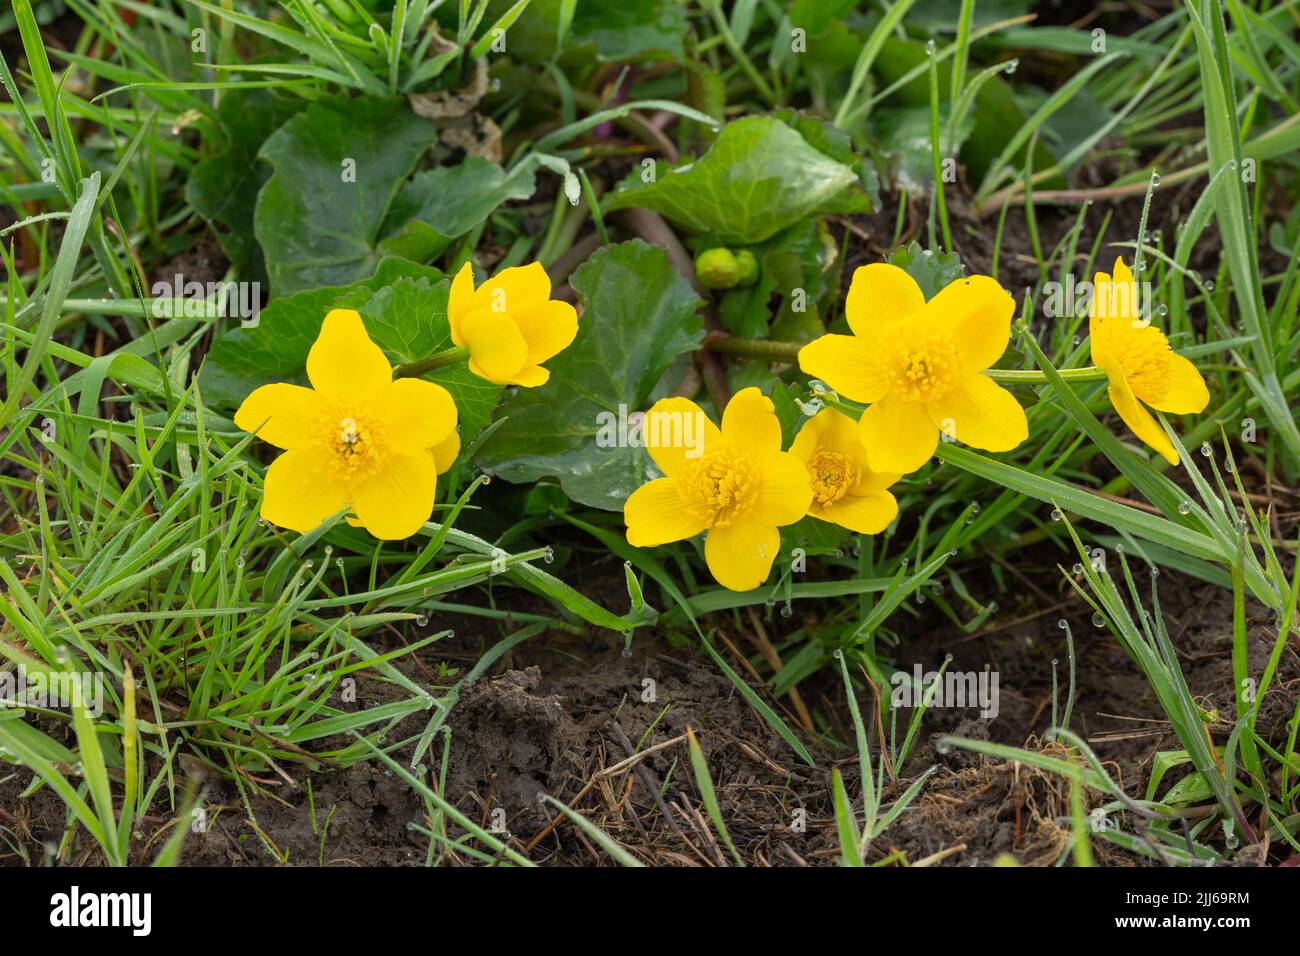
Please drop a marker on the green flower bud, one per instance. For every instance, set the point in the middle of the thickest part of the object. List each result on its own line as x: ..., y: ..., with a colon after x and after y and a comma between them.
x: 748, y: 267
x: 717, y: 268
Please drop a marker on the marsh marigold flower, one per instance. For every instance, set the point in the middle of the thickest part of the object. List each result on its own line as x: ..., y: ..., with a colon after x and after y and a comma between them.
x: 1138, y: 361
x: 510, y: 324
x: 734, y: 483
x: 356, y: 438
x: 845, y: 490
x: 919, y: 366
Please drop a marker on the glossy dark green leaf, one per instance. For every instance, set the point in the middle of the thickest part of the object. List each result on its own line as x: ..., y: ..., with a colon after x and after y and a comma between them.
x: 223, y: 188
x: 932, y: 271
x: 338, y: 165
x: 760, y: 177
x: 440, y: 204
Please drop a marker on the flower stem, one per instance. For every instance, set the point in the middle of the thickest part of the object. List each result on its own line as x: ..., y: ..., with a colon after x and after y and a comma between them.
x: 431, y: 362
x: 755, y: 348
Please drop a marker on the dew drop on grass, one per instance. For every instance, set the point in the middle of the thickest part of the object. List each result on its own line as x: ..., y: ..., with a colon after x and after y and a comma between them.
x: 1098, y: 620
x: 549, y: 556
x: 1162, y: 310
x: 1206, y: 449
x: 1184, y: 507
x: 421, y: 621
x: 338, y: 563
x: 1057, y: 514
x: 787, y: 610
x: 931, y: 47
x: 837, y: 654
x: 308, y: 563
x: 1155, y: 179
x: 627, y: 652
x: 1077, y: 569
x: 1011, y: 66
x: 1209, y: 285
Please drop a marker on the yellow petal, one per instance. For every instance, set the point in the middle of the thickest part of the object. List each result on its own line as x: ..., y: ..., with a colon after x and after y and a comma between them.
x: 880, y: 293
x: 1099, y: 326
x: 750, y: 423
x: 977, y: 313
x: 870, y: 482
x: 866, y: 514
x: 808, y: 439
x: 784, y: 492
x: 676, y: 430
x: 838, y: 433
x: 1116, y: 300
x: 981, y: 413
x: 299, y: 492
x: 740, y: 554
x: 287, y: 416
x: 1184, y: 392
x: 514, y: 290
x: 460, y: 300
x: 344, y: 364
x: 898, y: 436
x: 847, y: 364
x: 414, y: 414
x: 497, y: 349
x: 1121, y: 274
x: 549, y: 328
x: 1139, y: 419
x: 396, y: 501
x: 656, y: 514
x: 446, y: 452
x: 530, y: 376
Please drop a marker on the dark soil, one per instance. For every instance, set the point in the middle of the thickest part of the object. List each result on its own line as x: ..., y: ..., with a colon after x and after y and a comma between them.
x: 558, y: 712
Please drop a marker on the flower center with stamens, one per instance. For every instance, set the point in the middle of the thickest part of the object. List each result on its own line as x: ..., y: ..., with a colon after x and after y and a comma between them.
x: 923, y: 368
x: 1144, y: 355
x: 356, y: 446
x: 719, y: 486
x: 831, y: 475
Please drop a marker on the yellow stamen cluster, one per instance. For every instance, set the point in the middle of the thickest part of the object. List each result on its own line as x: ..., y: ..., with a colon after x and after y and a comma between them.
x: 832, y: 475
x: 924, y: 368
x: 1145, y: 360
x: 356, y: 446
x: 720, y: 486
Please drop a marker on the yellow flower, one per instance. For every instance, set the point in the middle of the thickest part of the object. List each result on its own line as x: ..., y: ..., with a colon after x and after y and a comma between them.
x: 845, y: 490
x: 1138, y: 361
x: 734, y: 483
x: 355, y: 438
x: 510, y: 324
x: 919, y: 365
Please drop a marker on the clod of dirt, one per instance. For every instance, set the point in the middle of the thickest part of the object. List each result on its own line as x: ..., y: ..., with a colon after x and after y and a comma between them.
x: 507, y: 746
